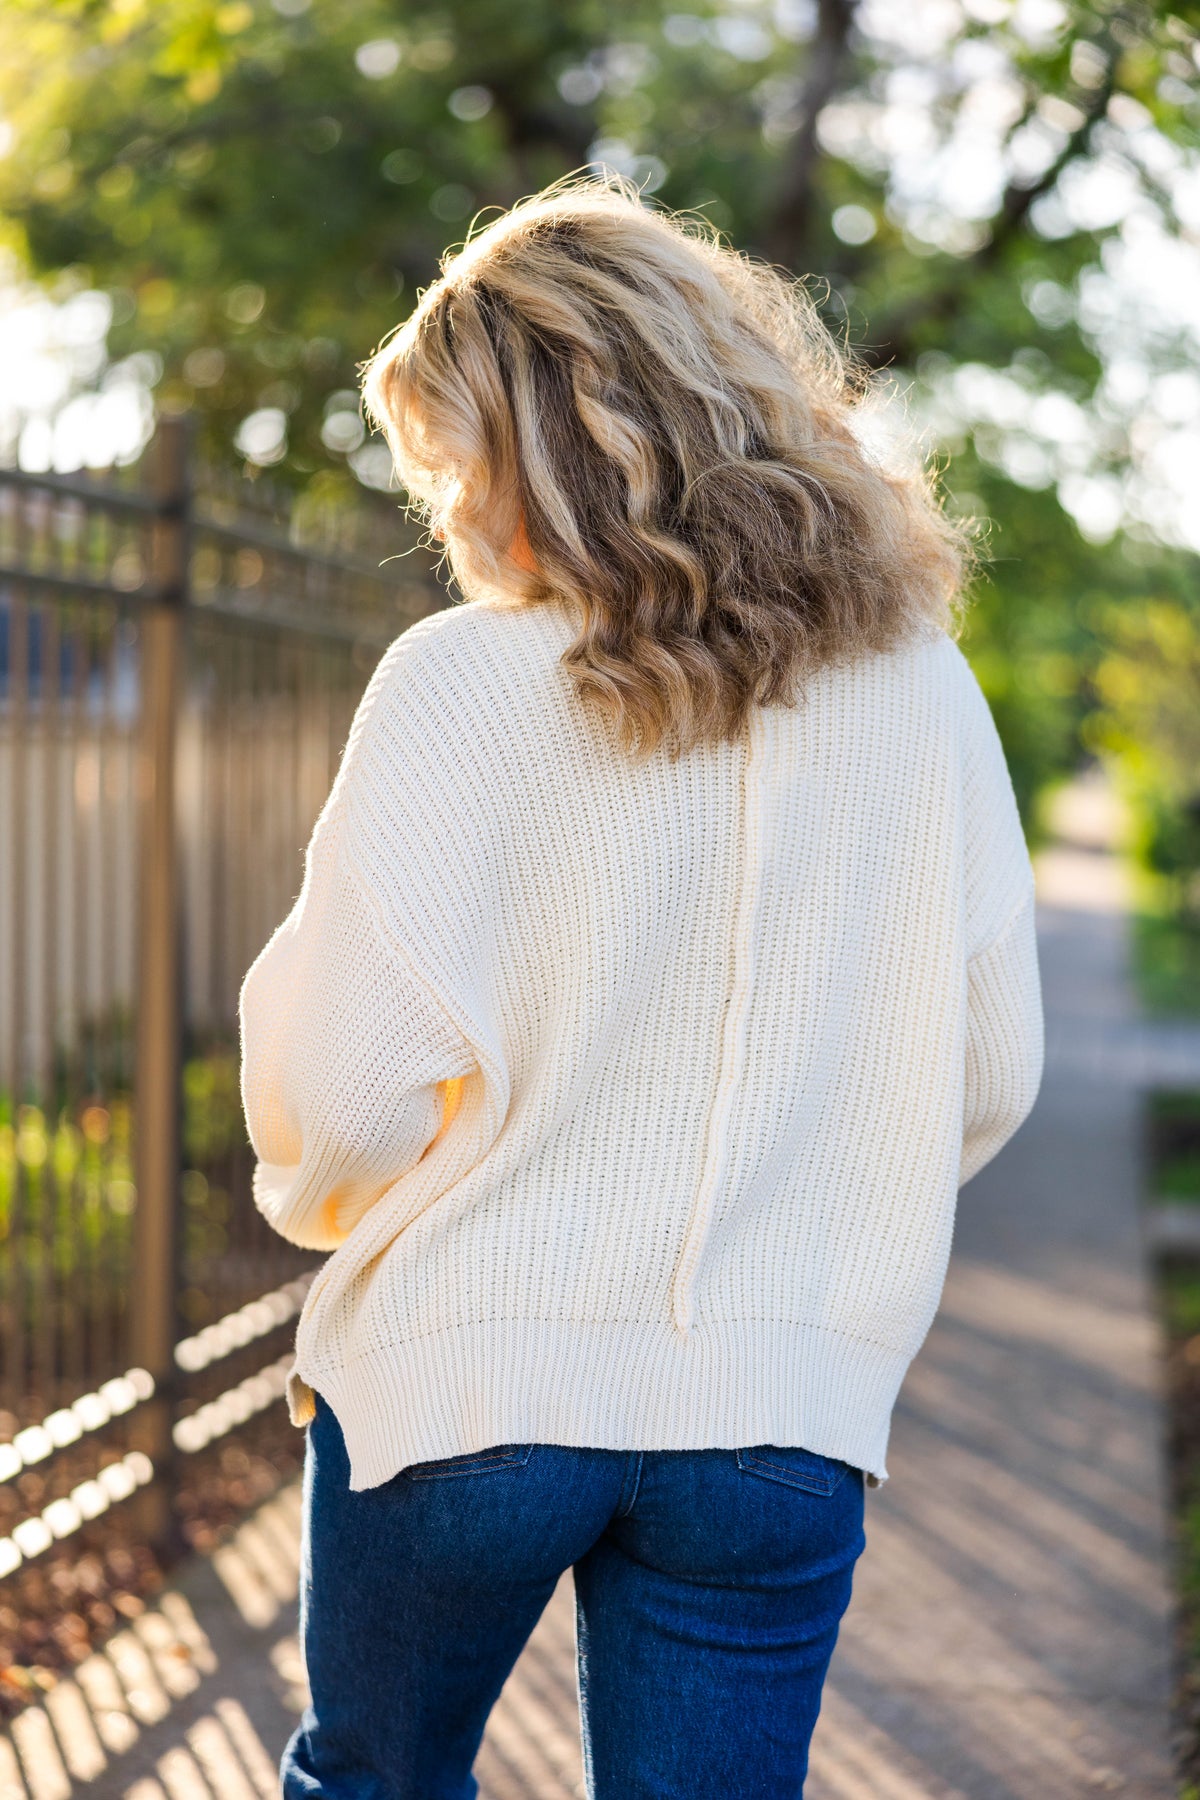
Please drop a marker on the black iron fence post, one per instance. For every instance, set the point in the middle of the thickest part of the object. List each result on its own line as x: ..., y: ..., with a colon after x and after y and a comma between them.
x: 191, y: 648
x: 159, y: 978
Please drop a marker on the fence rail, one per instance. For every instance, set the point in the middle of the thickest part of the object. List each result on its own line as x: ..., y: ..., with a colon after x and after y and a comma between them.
x: 180, y: 658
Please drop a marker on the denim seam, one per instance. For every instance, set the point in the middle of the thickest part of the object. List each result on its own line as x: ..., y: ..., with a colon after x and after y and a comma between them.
x: 623, y: 1512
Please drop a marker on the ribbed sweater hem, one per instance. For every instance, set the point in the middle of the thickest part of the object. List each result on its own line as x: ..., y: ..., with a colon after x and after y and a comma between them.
x: 609, y: 1385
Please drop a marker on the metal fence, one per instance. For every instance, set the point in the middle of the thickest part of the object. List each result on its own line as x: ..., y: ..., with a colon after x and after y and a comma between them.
x: 180, y: 658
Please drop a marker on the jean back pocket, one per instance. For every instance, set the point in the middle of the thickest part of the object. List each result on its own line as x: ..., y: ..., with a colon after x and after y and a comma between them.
x: 794, y: 1467
x: 471, y: 1462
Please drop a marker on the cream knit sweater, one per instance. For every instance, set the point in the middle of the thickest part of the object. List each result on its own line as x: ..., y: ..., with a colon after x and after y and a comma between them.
x: 634, y: 1101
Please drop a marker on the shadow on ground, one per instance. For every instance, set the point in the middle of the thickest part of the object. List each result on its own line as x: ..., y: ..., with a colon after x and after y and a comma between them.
x: 1008, y: 1638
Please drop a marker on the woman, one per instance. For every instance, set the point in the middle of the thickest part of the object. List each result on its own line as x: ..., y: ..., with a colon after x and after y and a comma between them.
x: 664, y: 963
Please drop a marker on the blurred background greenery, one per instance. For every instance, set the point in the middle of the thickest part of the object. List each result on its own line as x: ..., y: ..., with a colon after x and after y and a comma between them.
x: 222, y: 207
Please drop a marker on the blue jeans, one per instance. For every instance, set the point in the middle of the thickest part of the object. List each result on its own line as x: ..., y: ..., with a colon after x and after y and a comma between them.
x: 709, y: 1586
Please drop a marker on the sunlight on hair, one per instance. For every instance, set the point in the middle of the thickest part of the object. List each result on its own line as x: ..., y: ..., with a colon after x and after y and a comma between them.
x: 700, y: 472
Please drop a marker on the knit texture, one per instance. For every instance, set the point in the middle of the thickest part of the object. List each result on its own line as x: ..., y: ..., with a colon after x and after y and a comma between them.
x: 633, y: 1100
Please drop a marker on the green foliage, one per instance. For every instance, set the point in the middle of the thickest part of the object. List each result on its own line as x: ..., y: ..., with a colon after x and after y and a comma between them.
x: 1028, y: 631
x: 1148, y: 688
x: 256, y: 201
x: 1179, y: 1292
x: 1166, y: 961
x: 1180, y: 1178
x: 1171, y: 1105
x: 1179, y: 1303
x: 41, y: 1158
x: 67, y: 1191
x: 213, y: 1123
x: 1188, y: 1567
x: 264, y: 189
x: 1174, y: 1145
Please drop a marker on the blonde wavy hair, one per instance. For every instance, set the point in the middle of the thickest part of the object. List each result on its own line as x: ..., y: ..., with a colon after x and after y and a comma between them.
x: 602, y: 403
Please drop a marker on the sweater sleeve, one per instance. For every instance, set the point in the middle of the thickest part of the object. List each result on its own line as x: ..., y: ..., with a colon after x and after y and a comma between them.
x: 350, y: 1066
x: 1004, y: 1036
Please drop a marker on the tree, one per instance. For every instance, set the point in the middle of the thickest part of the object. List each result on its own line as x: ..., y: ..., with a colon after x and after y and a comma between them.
x: 978, y: 185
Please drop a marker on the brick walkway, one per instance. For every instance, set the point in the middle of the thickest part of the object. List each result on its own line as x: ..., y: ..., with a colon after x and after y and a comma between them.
x: 1008, y: 1635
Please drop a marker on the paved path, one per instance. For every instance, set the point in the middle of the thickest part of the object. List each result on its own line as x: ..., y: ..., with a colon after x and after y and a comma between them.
x: 1008, y: 1636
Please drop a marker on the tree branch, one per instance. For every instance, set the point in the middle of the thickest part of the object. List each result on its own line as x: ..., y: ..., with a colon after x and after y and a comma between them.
x: 530, y: 127
x: 897, y: 338
x: 787, y: 232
